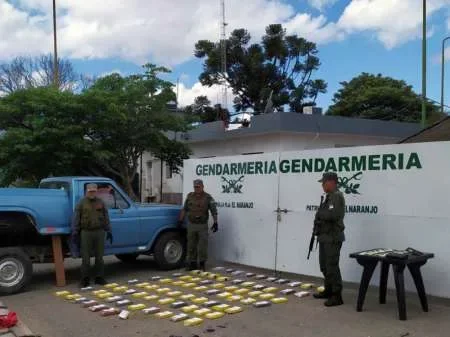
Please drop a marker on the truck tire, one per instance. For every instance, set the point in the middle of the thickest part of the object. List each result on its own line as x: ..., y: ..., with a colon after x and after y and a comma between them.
x: 128, y: 258
x: 16, y: 270
x: 170, y: 251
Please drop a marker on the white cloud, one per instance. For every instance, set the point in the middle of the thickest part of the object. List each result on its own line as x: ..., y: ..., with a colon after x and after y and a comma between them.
x: 394, y: 22
x: 322, y: 4
x: 187, y: 95
x: 316, y: 29
x: 160, y: 31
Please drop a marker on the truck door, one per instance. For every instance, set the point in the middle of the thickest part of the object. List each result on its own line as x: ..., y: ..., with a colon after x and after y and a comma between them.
x: 123, y: 215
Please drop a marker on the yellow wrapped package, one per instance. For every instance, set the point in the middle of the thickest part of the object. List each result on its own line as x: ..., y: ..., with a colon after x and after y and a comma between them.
x: 163, y: 290
x: 221, y: 307
x: 193, y: 321
x: 224, y: 294
x: 234, y: 298
x: 187, y: 297
x: 214, y: 315
x: 196, y: 272
x: 139, y: 295
x: 212, y: 276
x: 201, y: 288
x: 248, y: 284
x: 136, y: 307
x: 278, y: 300
x: 121, y: 289
x: 178, y: 283
x: 105, y: 295
x: 200, y: 300
x: 306, y: 285
x: 218, y: 285
x: 201, y: 312
x: 242, y: 291
x: 72, y: 296
x: 151, y: 297
x: 96, y: 292
x: 190, y: 308
x: 270, y: 289
x: 233, y: 310
x: 165, y: 280
x: 186, y: 278
x: 151, y: 287
x: 195, y: 279
x: 142, y: 285
x: 62, y: 293
x: 321, y: 289
x: 254, y: 293
x: 189, y: 285
x: 164, y: 314
x: 231, y: 288
x: 111, y: 285
x: 222, y: 278
x: 248, y: 301
x: 174, y: 293
x: 166, y: 300
x: 266, y: 296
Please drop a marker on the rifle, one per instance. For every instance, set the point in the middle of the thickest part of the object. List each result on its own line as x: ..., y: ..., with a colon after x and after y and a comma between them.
x: 311, y: 242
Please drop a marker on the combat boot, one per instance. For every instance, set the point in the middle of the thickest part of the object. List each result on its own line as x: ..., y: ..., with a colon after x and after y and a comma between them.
x: 202, y: 266
x: 84, y: 282
x: 334, y: 300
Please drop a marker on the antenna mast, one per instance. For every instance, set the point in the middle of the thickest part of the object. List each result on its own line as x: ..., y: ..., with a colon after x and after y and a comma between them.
x: 223, y: 53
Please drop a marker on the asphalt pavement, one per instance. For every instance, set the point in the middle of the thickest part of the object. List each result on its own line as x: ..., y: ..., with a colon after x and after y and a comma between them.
x: 50, y: 316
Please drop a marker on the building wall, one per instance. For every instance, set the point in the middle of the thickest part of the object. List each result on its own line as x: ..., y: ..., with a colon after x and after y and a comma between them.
x: 173, y: 184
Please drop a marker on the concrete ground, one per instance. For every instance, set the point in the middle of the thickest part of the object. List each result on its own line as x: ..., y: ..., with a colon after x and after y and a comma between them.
x: 49, y: 316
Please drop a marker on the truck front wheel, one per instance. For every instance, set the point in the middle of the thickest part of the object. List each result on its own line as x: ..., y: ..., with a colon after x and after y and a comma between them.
x: 170, y: 250
x: 15, y: 270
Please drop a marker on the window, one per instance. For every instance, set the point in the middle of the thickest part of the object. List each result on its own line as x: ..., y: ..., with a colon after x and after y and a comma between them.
x: 168, y: 172
x: 110, y: 196
x: 55, y: 185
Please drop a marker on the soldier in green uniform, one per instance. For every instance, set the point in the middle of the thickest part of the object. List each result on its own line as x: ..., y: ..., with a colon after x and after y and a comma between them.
x: 329, y: 228
x: 197, y: 206
x: 90, y: 222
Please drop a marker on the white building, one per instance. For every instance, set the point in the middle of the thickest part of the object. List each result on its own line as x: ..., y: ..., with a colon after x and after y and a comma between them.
x: 269, y: 133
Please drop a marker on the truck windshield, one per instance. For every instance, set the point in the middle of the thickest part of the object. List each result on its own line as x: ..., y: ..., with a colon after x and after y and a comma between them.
x: 55, y: 185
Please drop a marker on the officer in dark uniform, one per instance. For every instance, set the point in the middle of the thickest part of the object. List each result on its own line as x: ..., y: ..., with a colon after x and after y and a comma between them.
x: 329, y: 228
x: 198, y: 204
x: 90, y: 222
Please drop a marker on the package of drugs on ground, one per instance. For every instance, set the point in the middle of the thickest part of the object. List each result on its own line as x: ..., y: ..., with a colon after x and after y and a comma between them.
x: 113, y: 299
x: 270, y: 289
x: 261, y: 277
x: 88, y: 304
x: 151, y: 287
x: 136, y: 307
x: 140, y: 294
x: 109, y: 312
x: 231, y: 288
x: 307, y: 285
x: 193, y: 321
x: 248, y: 284
x: 278, y: 300
x: 255, y: 293
x: 237, y: 281
x: 121, y: 289
x: 73, y: 297
x: 229, y: 270
x: 248, y: 301
x: 164, y: 314
x: 272, y: 279
x: 219, y: 268
x: 266, y: 296
x: 111, y: 285
x: 104, y: 295
x: 165, y: 280
x: 202, y: 311
x: 199, y: 300
x: 155, y: 278
x: 261, y: 304
x: 174, y: 293
x: 221, y: 307
x: 98, y: 307
x: 130, y: 291
x: 189, y: 285
x: 212, y: 292
x: 214, y: 315
x: 233, y: 310
x: 287, y: 291
x: 177, y: 305
x: 179, y: 317
x: 186, y: 278
x: 242, y: 291
x: 133, y: 281
x: 124, y: 314
x: 250, y: 274
x: 237, y: 272
x: 187, y: 297
x: 259, y: 287
x: 142, y: 285
x: 177, y: 274
x: 218, y: 285
x: 178, y: 283
x: 96, y: 292
x: 152, y: 310
x: 201, y: 288
x: 210, y: 304
x: 206, y: 282
x: 222, y: 278
x: 190, y: 308
x: 80, y: 299
x: 321, y: 289
x: 195, y: 279
x: 86, y: 288
x: 151, y: 297
x: 234, y: 298
x: 282, y: 281
x: 62, y: 293
x: 166, y: 300
x: 224, y: 294
x: 302, y: 294
x: 295, y: 284
x: 123, y: 303
x: 163, y: 290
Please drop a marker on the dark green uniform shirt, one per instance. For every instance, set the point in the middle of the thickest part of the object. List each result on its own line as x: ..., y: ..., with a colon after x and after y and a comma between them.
x: 91, y: 214
x: 330, y: 218
x: 197, y: 207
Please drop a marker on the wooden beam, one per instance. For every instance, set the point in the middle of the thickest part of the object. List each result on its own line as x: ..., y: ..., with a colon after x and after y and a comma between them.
x: 58, y: 261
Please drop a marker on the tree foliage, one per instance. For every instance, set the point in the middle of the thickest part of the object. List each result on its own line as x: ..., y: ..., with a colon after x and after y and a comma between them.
x: 379, y: 97
x: 202, y: 111
x: 101, y: 131
x: 282, y: 63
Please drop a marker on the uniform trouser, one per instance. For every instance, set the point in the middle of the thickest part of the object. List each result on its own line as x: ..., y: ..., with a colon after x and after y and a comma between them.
x: 197, y: 242
x: 92, y: 244
x: 329, y: 254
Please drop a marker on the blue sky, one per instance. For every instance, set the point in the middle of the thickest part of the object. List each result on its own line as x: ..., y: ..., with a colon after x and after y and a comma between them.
x: 353, y: 36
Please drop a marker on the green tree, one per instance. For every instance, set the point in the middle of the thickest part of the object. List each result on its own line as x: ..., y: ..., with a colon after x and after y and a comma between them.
x: 202, y: 111
x: 43, y: 132
x: 281, y: 63
x: 127, y: 116
x: 380, y: 97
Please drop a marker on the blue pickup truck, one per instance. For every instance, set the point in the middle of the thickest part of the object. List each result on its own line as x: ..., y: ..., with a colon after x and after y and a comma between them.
x: 30, y: 216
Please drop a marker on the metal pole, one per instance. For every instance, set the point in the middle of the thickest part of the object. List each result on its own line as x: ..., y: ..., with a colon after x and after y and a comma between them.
x: 55, y: 48
x: 443, y: 73
x: 424, y: 63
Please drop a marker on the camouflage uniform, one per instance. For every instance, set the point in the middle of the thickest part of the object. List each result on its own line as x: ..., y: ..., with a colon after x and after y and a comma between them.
x: 91, y: 221
x: 329, y: 228
x: 197, y: 208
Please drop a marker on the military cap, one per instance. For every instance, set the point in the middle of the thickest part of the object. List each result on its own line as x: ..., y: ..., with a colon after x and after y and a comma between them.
x: 91, y: 187
x: 329, y: 176
x: 198, y: 182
